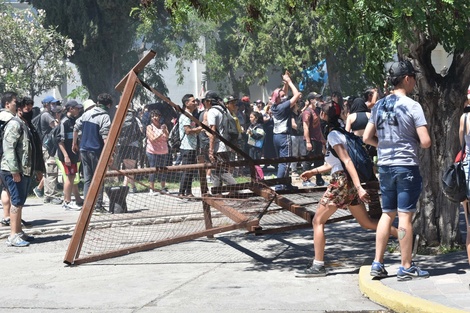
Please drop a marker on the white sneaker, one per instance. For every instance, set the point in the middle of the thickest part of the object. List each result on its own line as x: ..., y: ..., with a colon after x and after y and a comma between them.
x: 71, y: 206
x: 153, y: 193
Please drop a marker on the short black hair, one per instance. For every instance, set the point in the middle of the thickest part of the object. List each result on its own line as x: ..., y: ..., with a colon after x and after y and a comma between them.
x: 105, y: 99
x: 186, y: 98
x: 8, y: 97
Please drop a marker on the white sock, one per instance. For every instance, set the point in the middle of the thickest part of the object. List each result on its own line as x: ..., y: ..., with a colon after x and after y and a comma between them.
x: 321, y: 263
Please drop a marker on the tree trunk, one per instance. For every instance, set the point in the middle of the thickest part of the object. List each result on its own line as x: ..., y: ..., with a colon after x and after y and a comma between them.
x: 442, y: 99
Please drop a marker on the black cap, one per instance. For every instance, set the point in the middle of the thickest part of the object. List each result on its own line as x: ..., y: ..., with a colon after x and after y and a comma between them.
x: 210, y: 95
x: 402, y: 68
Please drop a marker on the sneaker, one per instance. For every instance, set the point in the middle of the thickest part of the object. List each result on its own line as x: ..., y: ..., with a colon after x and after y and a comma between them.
x: 209, y: 179
x: 313, y: 271
x: 308, y: 183
x: 38, y: 192
x: 71, y: 206
x: 151, y: 192
x: 26, y: 237
x: 16, y: 241
x: 5, y: 221
x: 100, y: 210
x: 164, y: 190
x: 378, y: 270
x: 413, y: 272
x: 56, y: 201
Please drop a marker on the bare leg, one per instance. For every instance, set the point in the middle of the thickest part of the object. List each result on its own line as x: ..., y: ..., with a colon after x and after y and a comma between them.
x: 383, y: 233
x: 360, y: 214
x: 76, y: 193
x: 321, y: 217
x: 6, y: 204
x: 405, y: 237
x: 68, y: 184
x: 15, y: 219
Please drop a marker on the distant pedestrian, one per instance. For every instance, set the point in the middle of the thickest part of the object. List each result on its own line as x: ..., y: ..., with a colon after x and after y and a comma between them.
x: 157, y: 150
x: 465, y: 139
x: 398, y: 128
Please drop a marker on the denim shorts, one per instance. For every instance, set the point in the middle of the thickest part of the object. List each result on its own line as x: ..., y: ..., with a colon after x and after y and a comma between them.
x: 401, y: 188
x: 18, y: 191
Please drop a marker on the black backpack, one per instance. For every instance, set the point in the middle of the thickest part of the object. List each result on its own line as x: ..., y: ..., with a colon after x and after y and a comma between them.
x: 36, y: 122
x: 130, y: 131
x: 51, y: 142
x: 358, y: 154
x: 231, y: 131
x: 174, y: 140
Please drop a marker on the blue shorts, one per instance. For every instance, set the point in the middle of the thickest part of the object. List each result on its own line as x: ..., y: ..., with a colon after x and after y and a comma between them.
x: 401, y: 188
x: 18, y: 191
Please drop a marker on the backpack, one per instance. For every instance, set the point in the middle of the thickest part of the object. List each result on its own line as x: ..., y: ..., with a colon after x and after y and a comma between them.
x: 230, y: 126
x: 174, y: 140
x: 36, y: 122
x: 358, y: 154
x: 50, y: 141
x: 130, y: 131
x: 300, y: 125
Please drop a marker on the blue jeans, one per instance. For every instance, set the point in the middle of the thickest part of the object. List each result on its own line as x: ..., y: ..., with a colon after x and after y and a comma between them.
x: 90, y: 163
x: 18, y: 190
x: 283, y: 148
x: 401, y: 187
x: 157, y: 160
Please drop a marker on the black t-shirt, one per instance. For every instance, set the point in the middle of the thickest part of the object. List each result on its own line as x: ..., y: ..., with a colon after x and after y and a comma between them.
x: 66, y: 136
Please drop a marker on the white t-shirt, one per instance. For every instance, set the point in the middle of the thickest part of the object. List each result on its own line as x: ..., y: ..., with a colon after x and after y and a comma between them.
x: 215, y: 117
x: 334, y: 138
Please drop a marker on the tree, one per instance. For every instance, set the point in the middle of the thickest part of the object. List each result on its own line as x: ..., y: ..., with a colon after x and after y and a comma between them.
x: 33, y: 57
x: 105, y: 39
x: 414, y: 28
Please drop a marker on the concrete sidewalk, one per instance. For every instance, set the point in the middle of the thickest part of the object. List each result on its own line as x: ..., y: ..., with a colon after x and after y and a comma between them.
x: 232, y: 273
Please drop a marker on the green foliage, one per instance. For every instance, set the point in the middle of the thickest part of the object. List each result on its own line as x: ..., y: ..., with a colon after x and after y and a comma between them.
x: 33, y: 56
x: 79, y: 93
x: 106, y: 42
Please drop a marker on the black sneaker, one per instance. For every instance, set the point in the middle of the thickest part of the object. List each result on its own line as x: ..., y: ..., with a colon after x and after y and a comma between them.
x: 5, y: 221
x: 313, y: 271
x: 100, y: 210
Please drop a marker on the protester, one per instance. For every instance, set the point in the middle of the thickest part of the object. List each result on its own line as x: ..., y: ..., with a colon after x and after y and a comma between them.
x: 281, y: 110
x: 256, y: 136
x: 314, y: 141
x: 50, y: 118
x: 465, y: 140
x: 188, y: 131
x: 344, y: 191
x: 157, y: 150
x: 68, y: 158
x: 397, y: 127
x: 218, y: 151
x: 94, y: 125
x: 17, y: 165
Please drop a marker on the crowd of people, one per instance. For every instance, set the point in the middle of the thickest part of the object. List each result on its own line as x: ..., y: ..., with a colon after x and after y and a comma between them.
x: 392, y: 125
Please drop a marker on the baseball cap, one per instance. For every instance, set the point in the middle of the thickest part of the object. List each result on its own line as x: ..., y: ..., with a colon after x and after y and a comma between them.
x: 73, y: 104
x: 230, y: 98
x: 210, y: 95
x: 402, y: 68
x: 50, y: 99
x: 56, y: 108
x: 313, y: 95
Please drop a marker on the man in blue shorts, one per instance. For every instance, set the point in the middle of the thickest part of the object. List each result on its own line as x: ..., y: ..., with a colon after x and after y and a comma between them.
x: 397, y: 127
x: 17, y: 165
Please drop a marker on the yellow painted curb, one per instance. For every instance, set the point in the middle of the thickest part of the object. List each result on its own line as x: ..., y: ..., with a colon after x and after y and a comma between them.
x: 395, y: 300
